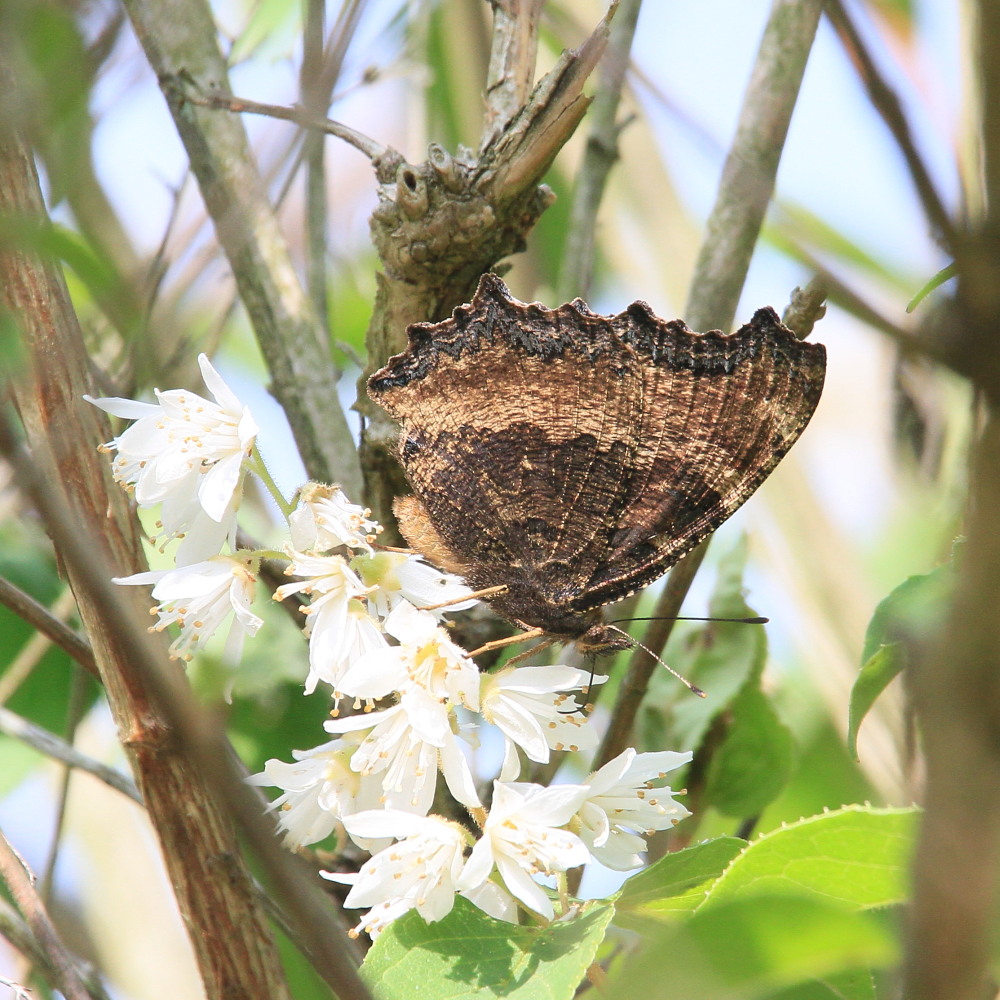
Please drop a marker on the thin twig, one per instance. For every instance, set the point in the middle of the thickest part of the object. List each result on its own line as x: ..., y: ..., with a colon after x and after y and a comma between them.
x: 577, y: 269
x: 19, y: 728
x: 40, y: 618
x: 890, y: 108
x: 240, y: 105
x: 59, y: 963
x: 732, y: 231
x: 314, y: 155
x: 18, y: 933
x: 179, y: 41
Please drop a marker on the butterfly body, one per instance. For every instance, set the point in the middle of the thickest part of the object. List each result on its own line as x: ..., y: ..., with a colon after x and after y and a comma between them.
x: 573, y: 458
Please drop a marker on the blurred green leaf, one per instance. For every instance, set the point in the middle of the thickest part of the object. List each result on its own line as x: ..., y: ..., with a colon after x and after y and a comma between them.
x: 825, y: 775
x: 913, y: 610
x: 875, y: 676
x: 468, y: 954
x: 856, y: 984
x: 858, y: 856
x: 754, y: 761
x: 271, y: 32
x: 945, y: 274
x: 42, y: 695
x: 749, y: 948
x: 799, y: 228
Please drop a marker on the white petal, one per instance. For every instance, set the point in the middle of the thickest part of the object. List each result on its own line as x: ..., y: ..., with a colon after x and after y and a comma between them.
x: 128, y: 409
x: 521, y: 885
x: 224, y: 396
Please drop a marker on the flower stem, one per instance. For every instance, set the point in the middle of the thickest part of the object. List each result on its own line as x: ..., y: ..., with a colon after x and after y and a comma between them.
x: 258, y: 468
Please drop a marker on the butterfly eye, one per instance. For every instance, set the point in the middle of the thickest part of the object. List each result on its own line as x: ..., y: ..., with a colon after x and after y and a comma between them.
x: 410, y: 447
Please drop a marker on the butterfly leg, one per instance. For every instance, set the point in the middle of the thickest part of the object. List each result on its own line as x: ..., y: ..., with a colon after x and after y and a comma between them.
x: 535, y: 633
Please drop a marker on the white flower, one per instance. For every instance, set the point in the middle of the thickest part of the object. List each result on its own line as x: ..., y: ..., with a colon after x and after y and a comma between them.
x: 493, y: 900
x: 340, y: 630
x: 326, y: 519
x: 532, y: 708
x: 521, y: 838
x: 622, y: 802
x: 407, y: 744
x: 397, y: 576
x: 199, y: 598
x: 187, y: 453
x: 318, y: 790
x: 418, y: 872
x: 426, y: 659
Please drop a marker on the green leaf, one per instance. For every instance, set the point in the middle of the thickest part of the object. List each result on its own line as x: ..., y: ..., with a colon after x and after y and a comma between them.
x: 856, y: 984
x: 912, y: 611
x: 754, y: 762
x: 468, y: 954
x: 749, y: 948
x: 873, y: 679
x: 858, y: 856
x: 675, y: 884
x: 945, y: 274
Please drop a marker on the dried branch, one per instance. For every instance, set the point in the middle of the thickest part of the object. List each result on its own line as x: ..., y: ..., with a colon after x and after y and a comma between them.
x: 890, y: 108
x: 513, y: 50
x: 375, y: 151
x: 42, y: 620
x: 730, y: 237
x: 179, y: 39
x: 577, y: 270
x: 58, y: 963
x: 19, y: 728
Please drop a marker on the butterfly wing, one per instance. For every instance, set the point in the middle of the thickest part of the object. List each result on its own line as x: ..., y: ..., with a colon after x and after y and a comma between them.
x: 575, y: 457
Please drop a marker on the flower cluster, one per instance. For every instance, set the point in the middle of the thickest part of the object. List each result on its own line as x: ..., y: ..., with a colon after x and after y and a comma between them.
x: 375, y: 624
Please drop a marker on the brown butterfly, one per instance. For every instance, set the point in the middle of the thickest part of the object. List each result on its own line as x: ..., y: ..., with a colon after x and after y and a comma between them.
x: 573, y: 458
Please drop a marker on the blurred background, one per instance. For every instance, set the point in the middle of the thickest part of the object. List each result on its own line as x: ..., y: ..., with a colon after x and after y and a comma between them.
x: 871, y: 495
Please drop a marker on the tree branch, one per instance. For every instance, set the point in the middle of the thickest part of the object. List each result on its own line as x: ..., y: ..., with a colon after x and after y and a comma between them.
x: 577, y: 269
x: 58, y: 962
x: 40, y: 618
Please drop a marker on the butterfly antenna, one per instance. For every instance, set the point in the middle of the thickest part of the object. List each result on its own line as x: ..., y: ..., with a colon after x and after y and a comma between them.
x: 756, y: 620
x: 635, y: 642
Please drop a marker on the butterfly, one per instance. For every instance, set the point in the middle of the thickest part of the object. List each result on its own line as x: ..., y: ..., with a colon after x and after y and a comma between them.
x: 571, y: 458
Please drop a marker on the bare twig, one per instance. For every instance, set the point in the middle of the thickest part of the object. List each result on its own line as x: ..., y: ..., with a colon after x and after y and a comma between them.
x: 18, y: 728
x: 890, y: 108
x: 40, y: 618
x: 577, y: 269
x: 226, y: 102
x: 58, y: 961
x: 731, y: 235
x: 179, y: 41
x: 18, y: 933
